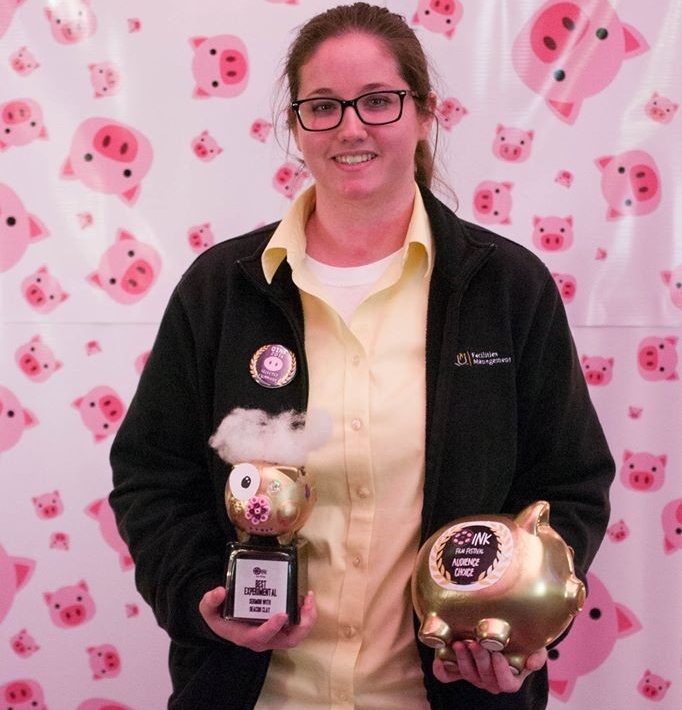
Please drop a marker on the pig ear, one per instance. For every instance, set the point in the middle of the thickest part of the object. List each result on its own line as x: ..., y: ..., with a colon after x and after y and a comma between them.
x: 67, y: 170
x: 562, y: 689
x: 612, y: 213
x: 93, y: 509
x: 95, y: 280
x: 199, y: 93
x: 37, y: 229
x: 122, y: 234
x: 533, y: 516
x: 635, y: 43
x: 130, y: 196
x: 77, y: 403
x: 29, y: 418
x: 23, y: 569
x: 197, y: 41
x: 666, y: 276
x: 628, y: 623
x: 603, y: 161
x: 566, y: 111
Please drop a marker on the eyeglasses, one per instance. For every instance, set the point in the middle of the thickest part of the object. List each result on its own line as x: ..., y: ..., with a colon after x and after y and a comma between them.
x: 376, y: 108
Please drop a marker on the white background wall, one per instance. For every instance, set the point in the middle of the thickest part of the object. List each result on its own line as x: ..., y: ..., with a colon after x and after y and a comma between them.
x: 97, y: 336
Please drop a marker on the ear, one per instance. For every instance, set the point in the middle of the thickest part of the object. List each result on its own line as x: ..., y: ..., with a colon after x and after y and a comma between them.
x: 427, y: 118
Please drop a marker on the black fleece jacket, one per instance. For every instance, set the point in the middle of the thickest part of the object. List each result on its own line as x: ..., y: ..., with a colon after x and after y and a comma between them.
x: 509, y: 421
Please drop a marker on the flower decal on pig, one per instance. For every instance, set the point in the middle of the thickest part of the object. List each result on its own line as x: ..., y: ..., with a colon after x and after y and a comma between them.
x: 128, y: 269
x: 569, y: 51
x: 109, y: 157
x: 71, y: 21
x: 220, y: 66
x: 15, y: 573
x: 18, y: 228
x: 630, y: 183
x: 101, y: 410
x: 70, y: 606
x: 440, y: 16
x: 21, y: 121
x: 479, y: 578
x: 14, y: 419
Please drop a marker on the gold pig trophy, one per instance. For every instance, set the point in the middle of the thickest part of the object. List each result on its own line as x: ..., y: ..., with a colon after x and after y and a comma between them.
x: 509, y: 584
x: 269, y: 496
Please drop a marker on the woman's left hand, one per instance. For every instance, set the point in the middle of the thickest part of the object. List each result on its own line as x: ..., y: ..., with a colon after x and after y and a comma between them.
x: 486, y: 670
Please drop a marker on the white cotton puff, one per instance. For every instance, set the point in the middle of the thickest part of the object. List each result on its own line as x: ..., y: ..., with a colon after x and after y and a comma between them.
x: 285, y: 439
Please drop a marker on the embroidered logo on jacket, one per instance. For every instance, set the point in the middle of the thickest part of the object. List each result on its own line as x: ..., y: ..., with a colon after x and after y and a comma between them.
x: 487, y: 357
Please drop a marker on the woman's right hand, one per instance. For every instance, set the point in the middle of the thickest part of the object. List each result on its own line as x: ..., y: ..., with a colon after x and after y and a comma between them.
x: 271, y: 634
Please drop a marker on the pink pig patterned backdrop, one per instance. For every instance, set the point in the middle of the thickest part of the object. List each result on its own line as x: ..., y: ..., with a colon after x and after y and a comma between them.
x: 125, y: 151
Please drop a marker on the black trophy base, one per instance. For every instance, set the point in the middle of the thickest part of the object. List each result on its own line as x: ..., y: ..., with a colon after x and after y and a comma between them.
x: 263, y: 578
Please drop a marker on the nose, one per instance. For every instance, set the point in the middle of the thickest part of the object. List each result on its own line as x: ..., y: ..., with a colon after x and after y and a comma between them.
x: 351, y: 128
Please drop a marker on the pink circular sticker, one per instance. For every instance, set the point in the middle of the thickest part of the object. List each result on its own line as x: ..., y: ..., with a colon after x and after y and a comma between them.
x: 273, y: 366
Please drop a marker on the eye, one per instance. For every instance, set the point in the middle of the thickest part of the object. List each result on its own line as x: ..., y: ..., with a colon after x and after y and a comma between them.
x: 244, y: 481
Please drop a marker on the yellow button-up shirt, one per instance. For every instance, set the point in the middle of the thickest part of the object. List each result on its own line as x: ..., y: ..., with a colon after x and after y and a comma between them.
x: 368, y: 373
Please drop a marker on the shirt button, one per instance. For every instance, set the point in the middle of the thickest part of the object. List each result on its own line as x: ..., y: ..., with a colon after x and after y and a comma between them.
x: 363, y: 492
x: 357, y: 561
x: 349, y: 632
x: 355, y: 360
x: 356, y: 424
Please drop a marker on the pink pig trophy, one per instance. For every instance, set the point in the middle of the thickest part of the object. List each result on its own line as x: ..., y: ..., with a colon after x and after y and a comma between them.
x: 269, y: 496
x: 509, y: 584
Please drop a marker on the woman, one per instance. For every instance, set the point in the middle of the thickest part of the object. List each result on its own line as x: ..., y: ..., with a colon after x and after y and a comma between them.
x: 392, y: 309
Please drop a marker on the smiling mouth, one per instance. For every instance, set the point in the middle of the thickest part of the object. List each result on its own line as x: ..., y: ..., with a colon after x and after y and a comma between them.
x: 355, y: 159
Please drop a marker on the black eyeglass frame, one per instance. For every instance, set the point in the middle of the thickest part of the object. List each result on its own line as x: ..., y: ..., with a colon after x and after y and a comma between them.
x: 346, y: 103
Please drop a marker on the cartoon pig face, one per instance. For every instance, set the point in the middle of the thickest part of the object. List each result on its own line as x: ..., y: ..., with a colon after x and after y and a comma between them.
x: 101, y: 410
x: 127, y: 270
x: 14, y: 574
x: 71, y: 21
x: 630, y: 183
x: 101, y: 511
x: 200, y: 237
x: 289, y: 179
x: 21, y: 121
x: 105, y: 79
x: 22, y: 61
x: 671, y: 519
x: 450, y: 112
x: 673, y: 280
x: 441, y: 16
x: 553, y: 233
x: 70, y: 606
x: 102, y: 704
x: 59, y: 541
x: 618, y: 532
x: 48, y: 505
x: 567, y: 286
x: 42, y: 291
x: 597, y: 370
x: 24, y: 694
x: 493, y: 202
x: 110, y: 157
x: 593, y: 636
x: 205, y: 147
x: 18, y: 228
x: 643, y: 471
x: 512, y: 144
x: 36, y: 360
x: 220, y: 66
x: 260, y: 129
x: 660, y: 108
x: 569, y: 50
x: 652, y: 686
x: 105, y: 661
x: 13, y: 419
x: 657, y: 358
x: 23, y: 644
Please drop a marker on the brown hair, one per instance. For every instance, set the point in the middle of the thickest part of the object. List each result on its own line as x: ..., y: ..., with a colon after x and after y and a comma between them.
x: 400, y: 40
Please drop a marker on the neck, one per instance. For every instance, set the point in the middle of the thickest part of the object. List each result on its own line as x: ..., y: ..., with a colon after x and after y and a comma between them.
x: 355, y: 232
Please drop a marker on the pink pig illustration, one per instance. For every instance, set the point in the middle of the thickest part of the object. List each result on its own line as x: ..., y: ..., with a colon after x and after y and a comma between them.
x: 7, y: 8
x: 671, y: 519
x: 18, y: 228
x: 42, y: 291
x: 289, y: 179
x: 22, y: 61
x: 642, y: 471
x: 102, y: 704
x: 109, y: 157
x: 597, y: 370
x: 449, y: 112
x: 567, y: 286
x: 205, y: 147
x: 23, y: 644
x: 512, y: 144
x: 59, y: 541
x: 553, y: 233
x: 660, y: 108
x: 15, y: 573
x: 200, y: 237
x: 105, y: 79
x: 101, y: 410
x: 48, y: 505
x: 441, y: 16
x: 36, y: 360
x: 71, y: 21
x: 220, y: 66
x: 70, y: 606
x: 594, y: 634
x: 657, y: 358
x: 101, y: 511
x: 21, y: 121
x: 673, y: 280
x: 493, y: 202
x: 104, y: 660
x: 652, y: 686
x: 22, y: 694
x: 568, y: 51
x: 618, y: 532
x: 630, y: 183
x: 260, y: 129
x: 13, y: 419
x: 128, y: 269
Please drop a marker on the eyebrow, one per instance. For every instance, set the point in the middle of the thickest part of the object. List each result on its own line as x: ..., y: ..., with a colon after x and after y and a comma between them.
x: 367, y: 88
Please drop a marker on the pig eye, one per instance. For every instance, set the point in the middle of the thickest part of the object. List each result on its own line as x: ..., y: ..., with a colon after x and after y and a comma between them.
x: 11, y: 221
x: 602, y: 33
x: 244, y: 481
x: 127, y: 173
x: 87, y: 157
x: 595, y: 613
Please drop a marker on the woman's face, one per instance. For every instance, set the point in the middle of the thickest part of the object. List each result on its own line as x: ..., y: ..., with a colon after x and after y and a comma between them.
x: 355, y: 160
